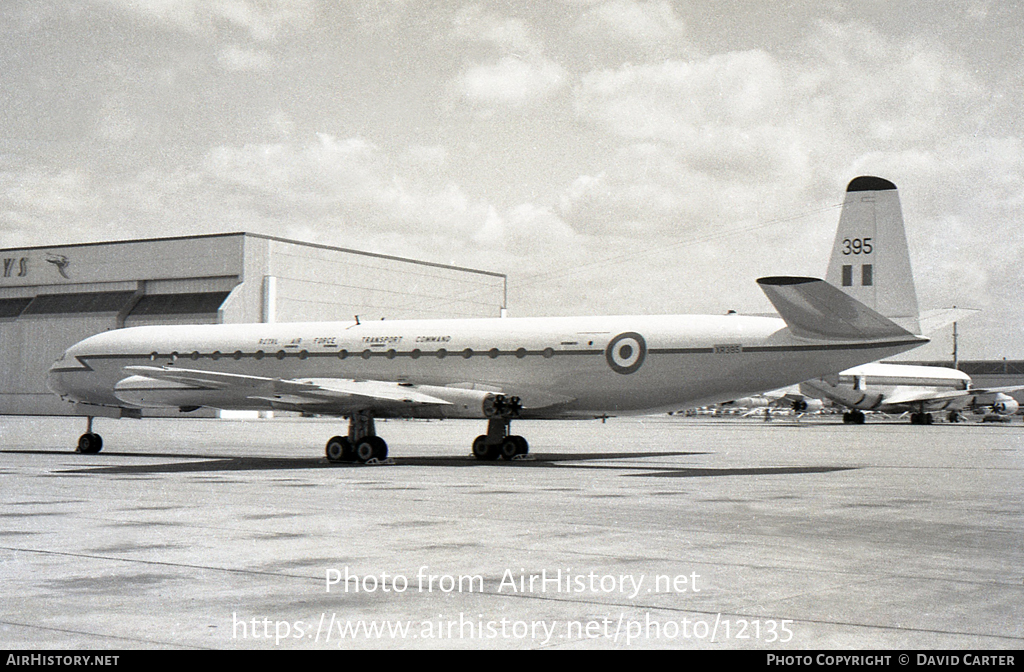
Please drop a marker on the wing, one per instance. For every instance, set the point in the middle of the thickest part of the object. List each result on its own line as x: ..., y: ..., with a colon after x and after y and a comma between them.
x: 981, y: 391
x: 912, y: 397
x: 149, y: 386
x: 971, y: 397
x: 167, y: 386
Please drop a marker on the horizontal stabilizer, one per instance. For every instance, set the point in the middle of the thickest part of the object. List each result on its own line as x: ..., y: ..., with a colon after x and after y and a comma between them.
x: 812, y: 308
x: 933, y: 320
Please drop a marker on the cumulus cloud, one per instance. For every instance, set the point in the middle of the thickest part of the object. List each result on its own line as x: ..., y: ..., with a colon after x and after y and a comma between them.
x: 262, y: 20
x: 510, y: 82
x: 524, y: 229
x: 623, y: 30
x: 740, y: 140
x: 349, y: 181
x: 472, y: 23
x: 727, y: 112
x: 235, y: 59
x: 754, y: 117
x: 518, y: 137
x: 516, y: 73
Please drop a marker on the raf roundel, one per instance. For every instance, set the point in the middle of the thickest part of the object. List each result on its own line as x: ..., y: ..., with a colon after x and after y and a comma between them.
x: 626, y: 352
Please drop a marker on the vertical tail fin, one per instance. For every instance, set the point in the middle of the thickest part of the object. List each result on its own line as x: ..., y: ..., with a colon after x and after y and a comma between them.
x: 870, y: 260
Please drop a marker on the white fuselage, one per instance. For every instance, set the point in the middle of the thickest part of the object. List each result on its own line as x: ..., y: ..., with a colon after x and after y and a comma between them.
x: 578, y: 366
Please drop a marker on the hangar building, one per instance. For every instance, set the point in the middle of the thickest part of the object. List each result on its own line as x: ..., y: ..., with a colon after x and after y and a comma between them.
x: 989, y: 373
x: 53, y: 297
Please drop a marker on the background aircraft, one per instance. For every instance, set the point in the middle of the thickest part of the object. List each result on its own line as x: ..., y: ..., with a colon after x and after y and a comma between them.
x: 899, y: 388
x: 784, y: 399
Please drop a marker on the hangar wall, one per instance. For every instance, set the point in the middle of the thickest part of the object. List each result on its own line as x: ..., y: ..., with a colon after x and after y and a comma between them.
x: 989, y: 373
x: 52, y: 297
x: 303, y: 281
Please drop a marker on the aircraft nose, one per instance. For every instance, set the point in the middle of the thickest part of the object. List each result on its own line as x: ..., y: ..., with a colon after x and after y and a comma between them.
x: 55, y: 381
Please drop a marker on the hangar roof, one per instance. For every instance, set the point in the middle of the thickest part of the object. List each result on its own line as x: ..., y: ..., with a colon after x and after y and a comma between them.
x: 264, y: 237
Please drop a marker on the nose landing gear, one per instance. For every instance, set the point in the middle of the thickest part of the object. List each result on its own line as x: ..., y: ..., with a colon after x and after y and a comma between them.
x: 89, y: 443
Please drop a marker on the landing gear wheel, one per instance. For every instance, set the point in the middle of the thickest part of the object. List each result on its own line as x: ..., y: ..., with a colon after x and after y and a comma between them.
x: 380, y: 448
x: 483, y: 451
x: 339, y: 449
x: 90, y: 443
x: 513, y: 446
x: 954, y: 416
x: 509, y: 447
x: 371, y: 447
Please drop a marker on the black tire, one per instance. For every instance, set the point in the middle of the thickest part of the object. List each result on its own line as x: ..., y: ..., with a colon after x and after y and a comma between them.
x: 339, y: 449
x: 380, y: 448
x: 513, y: 446
x: 371, y: 447
x: 483, y: 451
x: 90, y: 444
x: 509, y: 448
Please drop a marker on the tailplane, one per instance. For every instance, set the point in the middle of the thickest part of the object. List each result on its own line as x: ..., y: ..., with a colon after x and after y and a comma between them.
x: 870, y: 261
x: 816, y: 310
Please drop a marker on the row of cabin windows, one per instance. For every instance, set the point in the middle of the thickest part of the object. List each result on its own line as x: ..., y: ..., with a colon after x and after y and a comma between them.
x: 493, y: 353
x: 866, y: 275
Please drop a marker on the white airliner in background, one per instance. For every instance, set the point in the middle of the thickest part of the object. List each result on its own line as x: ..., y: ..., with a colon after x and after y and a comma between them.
x: 903, y: 388
x: 498, y: 369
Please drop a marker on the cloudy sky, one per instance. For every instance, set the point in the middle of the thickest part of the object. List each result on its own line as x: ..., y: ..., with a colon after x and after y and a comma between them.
x: 620, y: 156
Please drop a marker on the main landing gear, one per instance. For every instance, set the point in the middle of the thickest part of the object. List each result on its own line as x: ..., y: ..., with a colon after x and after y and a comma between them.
x: 361, y: 445
x: 921, y: 418
x: 853, y: 417
x: 499, y: 441
x: 90, y: 443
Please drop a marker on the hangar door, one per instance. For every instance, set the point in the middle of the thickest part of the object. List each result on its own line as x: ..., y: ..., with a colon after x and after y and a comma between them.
x: 188, y: 308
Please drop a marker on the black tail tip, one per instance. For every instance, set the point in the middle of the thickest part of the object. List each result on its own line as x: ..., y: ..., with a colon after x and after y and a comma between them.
x: 869, y: 183
x: 785, y: 280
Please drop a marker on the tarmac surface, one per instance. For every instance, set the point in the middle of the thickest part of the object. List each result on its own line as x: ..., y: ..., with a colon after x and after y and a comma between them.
x: 693, y: 533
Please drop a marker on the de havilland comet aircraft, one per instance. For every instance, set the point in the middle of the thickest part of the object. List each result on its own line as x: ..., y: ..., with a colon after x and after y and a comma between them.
x: 495, y: 369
